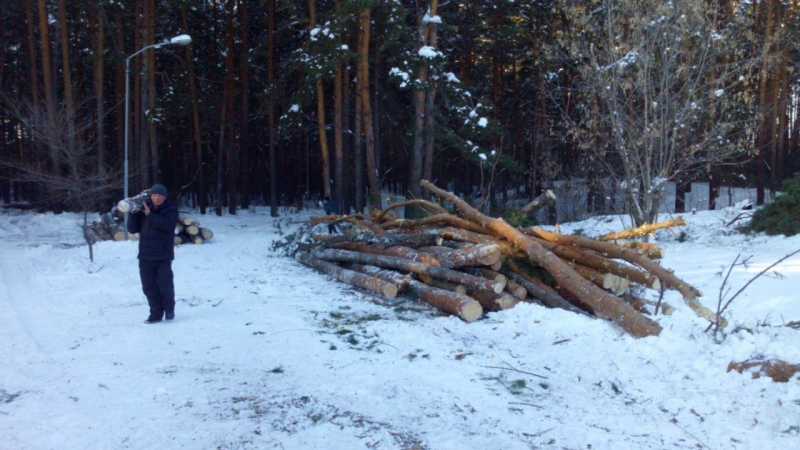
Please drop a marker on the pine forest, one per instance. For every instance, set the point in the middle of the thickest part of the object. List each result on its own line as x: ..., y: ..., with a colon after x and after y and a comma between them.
x: 236, y: 103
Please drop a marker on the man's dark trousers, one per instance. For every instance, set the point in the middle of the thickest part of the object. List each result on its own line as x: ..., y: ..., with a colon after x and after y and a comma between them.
x: 157, y: 287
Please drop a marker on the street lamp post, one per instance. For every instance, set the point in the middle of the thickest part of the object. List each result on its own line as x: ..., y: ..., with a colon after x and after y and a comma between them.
x: 183, y: 39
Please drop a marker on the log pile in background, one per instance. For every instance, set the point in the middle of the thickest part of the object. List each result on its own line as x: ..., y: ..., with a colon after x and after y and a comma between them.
x: 469, y: 263
x: 190, y: 231
x: 111, y: 226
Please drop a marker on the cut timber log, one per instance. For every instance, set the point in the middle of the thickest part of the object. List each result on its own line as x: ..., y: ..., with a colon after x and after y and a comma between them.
x: 385, y: 240
x: 546, y: 198
x: 689, y: 292
x: 441, y: 284
x: 436, y: 209
x: 594, y: 261
x: 361, y: 280
x: 392, y: 262
x: 398, y: 251
x: 488, y: 273
x: 649, y: 249
x: 544, y: 293
x: 119, y: 235
x: 512, y: 287
x: 644, y: 229
x: 110, y: 222
x: 438, y: 218
x: 473, y: 256
x: 613, y: 283
x: 460, y: 305
x: 493, y: 302
x: 185, y: 220
x: 133, y: 204
x: 193, y: 229
x: 206, y: 233
x: 604, y: 304
x: 641, y: 304
x: 516, y: 289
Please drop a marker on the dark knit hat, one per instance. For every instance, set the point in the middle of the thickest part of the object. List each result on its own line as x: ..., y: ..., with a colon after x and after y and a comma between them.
x: 158, y: 189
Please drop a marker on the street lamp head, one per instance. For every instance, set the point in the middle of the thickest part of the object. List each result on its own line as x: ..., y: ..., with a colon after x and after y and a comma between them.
x: 183, y: 39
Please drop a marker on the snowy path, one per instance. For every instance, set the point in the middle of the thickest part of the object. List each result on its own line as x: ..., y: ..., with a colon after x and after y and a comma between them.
x: 269, y: 354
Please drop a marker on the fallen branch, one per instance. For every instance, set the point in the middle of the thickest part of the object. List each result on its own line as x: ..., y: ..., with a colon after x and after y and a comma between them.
x: 644, y: 229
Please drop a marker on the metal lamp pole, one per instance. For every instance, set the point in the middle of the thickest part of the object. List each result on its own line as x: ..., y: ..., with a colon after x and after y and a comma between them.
x: 183, y: 39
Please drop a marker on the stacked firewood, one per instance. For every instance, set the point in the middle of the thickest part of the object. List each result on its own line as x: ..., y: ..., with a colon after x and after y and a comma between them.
x: 469, y: 263
x: 111, y: 226
x: 188, y: 230
x: 108, y: 227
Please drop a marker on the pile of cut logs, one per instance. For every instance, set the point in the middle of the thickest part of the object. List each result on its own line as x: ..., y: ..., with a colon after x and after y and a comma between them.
x: 188, y: 230
x: 108, y: 227
x: 468, y: 263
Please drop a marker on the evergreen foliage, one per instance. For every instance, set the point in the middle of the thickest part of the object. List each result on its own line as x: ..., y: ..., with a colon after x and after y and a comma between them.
x: 782, y: 216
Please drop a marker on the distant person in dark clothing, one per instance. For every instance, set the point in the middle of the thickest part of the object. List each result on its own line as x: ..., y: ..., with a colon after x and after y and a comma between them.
x: 155, y: 224
x: 331, y: 207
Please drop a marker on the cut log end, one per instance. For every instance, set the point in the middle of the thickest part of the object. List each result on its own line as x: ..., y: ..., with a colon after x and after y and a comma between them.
x: 656, y: 284
x: 506, y: 301
x: 499, y: 287
x: 616, y: 284
x: 470, y: 311
x: 389, y: 290
x: 124, y: 206
x: 519, y: 292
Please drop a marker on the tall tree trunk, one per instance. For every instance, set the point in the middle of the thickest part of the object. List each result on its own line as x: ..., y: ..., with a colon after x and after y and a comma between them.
x: 139, y: 139
x: 762, y: 139
x: 99, y: 75
x: 337, y: 127
x: 229, y: 118
x: 421, y: 100
x: 358, y: 151
x: 196, y: 139
x: 273, y: 159
x: 218, y: 195
x: 347, y: 147
x: 430, y: 117
x: 119, y: 44
x: 150, y: 61
x: 323, y: 137
x: 782, y: 130
x: 47, y: 74
x: 244, y: 137
x: 65, y: 61
x: 363, y: 81
x: 34, y: 71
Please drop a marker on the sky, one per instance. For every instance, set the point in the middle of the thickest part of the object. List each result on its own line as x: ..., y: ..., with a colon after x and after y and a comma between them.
x: 266, y: 353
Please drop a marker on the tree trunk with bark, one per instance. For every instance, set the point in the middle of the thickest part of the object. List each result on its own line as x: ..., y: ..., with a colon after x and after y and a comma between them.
x: 411, y: 266
x: 454, y: 303
x: 361, y: 280
x: 366, y: 111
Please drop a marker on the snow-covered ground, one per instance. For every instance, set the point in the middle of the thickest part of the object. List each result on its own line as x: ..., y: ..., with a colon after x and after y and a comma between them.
x: 266, y: 353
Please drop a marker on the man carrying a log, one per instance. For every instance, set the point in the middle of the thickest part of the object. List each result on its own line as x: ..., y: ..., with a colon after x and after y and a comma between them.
x: 155, y: 223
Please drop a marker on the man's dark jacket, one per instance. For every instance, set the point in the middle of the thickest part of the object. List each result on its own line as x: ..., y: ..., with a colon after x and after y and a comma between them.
x: 156, y: 232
